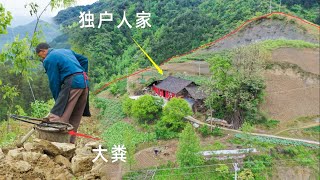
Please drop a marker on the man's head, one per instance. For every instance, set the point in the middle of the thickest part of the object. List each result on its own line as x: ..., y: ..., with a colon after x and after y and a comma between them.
x: 42, y: 50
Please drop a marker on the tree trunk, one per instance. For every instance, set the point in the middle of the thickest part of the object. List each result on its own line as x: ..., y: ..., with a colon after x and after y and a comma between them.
x: 236, y: 119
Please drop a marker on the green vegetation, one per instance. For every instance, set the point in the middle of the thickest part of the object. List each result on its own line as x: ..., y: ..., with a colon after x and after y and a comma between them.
x: 40, y: 109
x: 216, y: 145
x: 205, y: 130
x: 275, y: 44
x: 112, y: 51
x: 127, y: 105
x: 303, y: 8
x: 119, y: 87
x: 259, y: 165
x: 172, y: 120
x: 177, y: 27
x: 217, y: 131
x: 188, y: 153
x: 4, y: 20
x: 200, y: 80
x: 21, y: 66
x: 8, y: 137
x: 110, y: 110
x: 237, y: 87
x: 313, y: 129
x: 116, y: 135
x: 130, y: 147
x: 271, y: 123
x: 275, y: 140
x: 147, y: 108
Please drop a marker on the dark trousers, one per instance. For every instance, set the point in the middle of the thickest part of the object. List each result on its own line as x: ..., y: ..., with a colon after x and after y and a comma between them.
x: 74, y: 110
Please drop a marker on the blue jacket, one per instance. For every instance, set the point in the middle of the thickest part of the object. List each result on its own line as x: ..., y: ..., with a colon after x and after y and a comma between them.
x: 60, y: 63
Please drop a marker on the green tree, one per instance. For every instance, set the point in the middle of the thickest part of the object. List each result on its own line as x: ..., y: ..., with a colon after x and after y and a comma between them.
x: 237, y: 87
x: 176, y: 109
x: 188, y: 148
x: 172, y: 120
x: 5, y: 19
x: 147, y: 108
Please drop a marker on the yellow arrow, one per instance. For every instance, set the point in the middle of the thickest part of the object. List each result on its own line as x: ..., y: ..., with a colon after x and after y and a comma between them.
x: 154, y: 64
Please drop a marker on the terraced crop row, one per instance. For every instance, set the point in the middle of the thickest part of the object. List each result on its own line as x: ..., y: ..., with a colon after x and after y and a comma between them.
x: 275, y: 140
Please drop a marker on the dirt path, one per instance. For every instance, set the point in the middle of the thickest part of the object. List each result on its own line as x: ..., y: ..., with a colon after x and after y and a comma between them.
x: 296, y: 128
x: 191, y: 119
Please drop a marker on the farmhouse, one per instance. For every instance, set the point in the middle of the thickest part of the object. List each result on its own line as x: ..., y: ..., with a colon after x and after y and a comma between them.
x: 182, y: 88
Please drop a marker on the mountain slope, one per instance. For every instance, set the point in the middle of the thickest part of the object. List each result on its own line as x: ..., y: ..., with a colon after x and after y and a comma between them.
x: 177, y: 27
x: 50, y: 31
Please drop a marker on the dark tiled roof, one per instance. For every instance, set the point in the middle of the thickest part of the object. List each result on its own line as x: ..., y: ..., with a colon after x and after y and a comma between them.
x: 196, y: 93
x: 173, y: 84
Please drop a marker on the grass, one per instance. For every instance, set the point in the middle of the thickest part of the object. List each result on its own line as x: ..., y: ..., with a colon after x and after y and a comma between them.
x: 200, y: 80
x: 267, y: 45
x: 7, y: 138
x: 217, y: 145
x: 115, y: 135
x: 171, y: 171
x: 313, y: 129
x: 275, y: 44
x: 110, y: 110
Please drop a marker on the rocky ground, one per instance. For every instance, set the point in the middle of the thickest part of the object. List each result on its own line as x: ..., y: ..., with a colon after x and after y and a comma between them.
x: 41, y: 159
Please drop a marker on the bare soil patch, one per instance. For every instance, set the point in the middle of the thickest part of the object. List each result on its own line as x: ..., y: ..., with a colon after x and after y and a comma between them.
x: 189, y: 67
x: 289, y: 95
x: 307, y: 59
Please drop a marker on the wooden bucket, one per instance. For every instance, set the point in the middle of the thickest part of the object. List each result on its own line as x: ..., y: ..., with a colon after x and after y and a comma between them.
x: 54, y: 134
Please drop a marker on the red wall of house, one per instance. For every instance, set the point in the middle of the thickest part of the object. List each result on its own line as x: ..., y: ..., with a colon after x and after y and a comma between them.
x: 162, y: 93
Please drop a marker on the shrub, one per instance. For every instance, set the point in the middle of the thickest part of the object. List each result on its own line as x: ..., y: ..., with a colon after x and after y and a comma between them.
x: 246, y: 174
x: 40, y: 108
x: 127, y: 105
x: 119, y: 87
x: 217, y: 131
x: 205, y: 130
x: 246, y: 127
x: 271, y: 123
x: 147, y: 108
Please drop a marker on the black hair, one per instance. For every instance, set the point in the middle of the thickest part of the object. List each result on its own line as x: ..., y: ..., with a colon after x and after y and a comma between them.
x: 42, y: 46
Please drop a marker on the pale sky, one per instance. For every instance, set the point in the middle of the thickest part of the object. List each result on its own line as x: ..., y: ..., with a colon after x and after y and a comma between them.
x: 22, y: 16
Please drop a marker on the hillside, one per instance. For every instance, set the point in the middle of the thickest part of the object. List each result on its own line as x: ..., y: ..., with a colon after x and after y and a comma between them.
x: 292, y: 80
x: 206, y: 20
x: 267, y: 29
x: 290, y: 95
x: 257, y: 109
x: 50, y: 31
